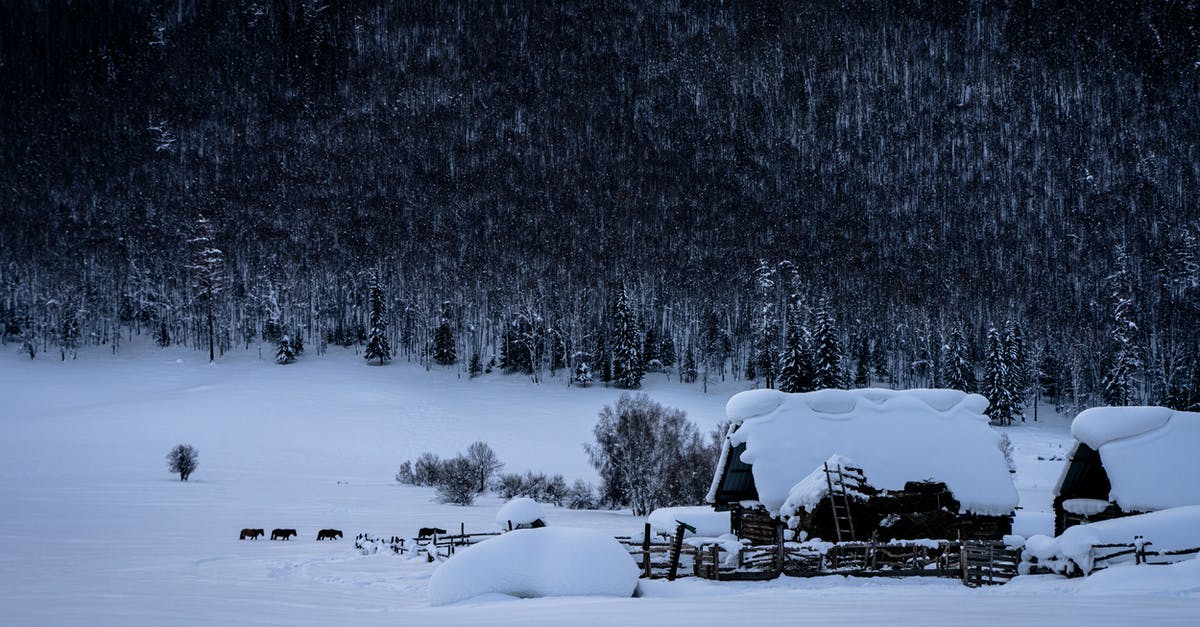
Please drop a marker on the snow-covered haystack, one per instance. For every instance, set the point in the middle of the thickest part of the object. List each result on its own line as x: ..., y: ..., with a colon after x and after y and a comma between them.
x: 809, y: 491
x: 1148, y: 454
x: 519, y: 513
x: 530, y: 563
x: 708, y: 523
x: 1172, y: 529
x: 894, y: 436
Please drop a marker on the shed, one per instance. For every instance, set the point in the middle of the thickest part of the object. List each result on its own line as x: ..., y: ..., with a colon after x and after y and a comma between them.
x: 1128, y: 460
x: 925, y: 456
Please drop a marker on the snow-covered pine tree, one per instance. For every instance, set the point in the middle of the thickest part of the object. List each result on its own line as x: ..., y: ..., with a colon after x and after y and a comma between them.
x: 958, y: 371
x: 996, y: 383
x: 1018, y: 376
x: 796, y: 368
x: 444, y: 351
x: 1119, y: 380
x: 828, y: 352
x: 377, y: 342
x: 765, y: 360
x: 162, y: 336
x: 627, y: 360
x: 285, y: 353
x: 475, y: 368
x: 206, y: 269
x: 583, y: 374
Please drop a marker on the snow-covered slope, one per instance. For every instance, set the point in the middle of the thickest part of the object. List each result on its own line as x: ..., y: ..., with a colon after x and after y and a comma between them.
x: 95, y: 531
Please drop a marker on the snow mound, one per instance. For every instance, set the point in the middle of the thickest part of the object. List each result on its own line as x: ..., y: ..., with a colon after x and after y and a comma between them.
x: 896, y: 436
x: 1100, y: 425
x: 1181, y: 578
x: 521, y: 510
x: 1149, y: 454
x: 1166, y: 530
x: 708, y: 523
x: 532, y: 563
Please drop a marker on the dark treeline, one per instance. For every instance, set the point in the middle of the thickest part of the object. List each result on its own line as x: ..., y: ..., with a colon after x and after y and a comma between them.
x: 172, y: 168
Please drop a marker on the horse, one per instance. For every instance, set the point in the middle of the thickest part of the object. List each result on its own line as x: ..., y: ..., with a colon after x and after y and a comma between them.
x: 429, y: 532
x: 329, y: 534
x: 282, y: 534
x: 251, y: 534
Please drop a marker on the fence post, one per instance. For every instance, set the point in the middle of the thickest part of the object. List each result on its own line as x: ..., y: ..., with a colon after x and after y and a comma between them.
x: 646, y: 552
x: 780, y: 552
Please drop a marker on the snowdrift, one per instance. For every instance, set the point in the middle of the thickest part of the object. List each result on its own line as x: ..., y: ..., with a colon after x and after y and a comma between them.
x: 1167, y: 530
x: 521, y: 510
x: 708, y: 523
x: 532, y: 563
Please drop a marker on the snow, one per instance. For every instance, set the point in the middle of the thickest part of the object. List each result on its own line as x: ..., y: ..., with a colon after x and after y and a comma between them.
x: 708, y: 523
x: 1149, y: 454
x: 896, y: 436
x: 1166, y: 530
x: 521, y: 510
x: 534, y: 563
x: 1085, y: 507
x: 809, y: 491
x: 96, y: 532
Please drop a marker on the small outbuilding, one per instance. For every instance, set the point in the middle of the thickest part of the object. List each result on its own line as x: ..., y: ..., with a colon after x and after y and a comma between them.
x: 856, y: 464
x: 521, y: 512
x: 1128, y: 460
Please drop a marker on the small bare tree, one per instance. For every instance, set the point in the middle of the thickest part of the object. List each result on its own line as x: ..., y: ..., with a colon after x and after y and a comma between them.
x: 456, y: 481
x: 183, y: 460
x: 486, y: 463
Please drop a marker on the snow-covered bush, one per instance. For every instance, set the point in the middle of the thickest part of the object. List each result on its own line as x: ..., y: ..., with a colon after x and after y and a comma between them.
x: 405, y: 474
x: 545, y: 488
x: 426, y: 469
x: 486, y: 464
x: 582, y: 495
x: 531, y: 563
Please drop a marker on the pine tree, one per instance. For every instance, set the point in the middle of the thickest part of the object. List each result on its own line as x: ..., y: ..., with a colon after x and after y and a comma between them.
x: 476, y: 366
x: 206, y: 268
x: 687, y: 372
x: 862, y: 372
x: 666, y: 352
x: 377, y: 342
x: 285, y: 353
x: 1119, y: 380
x: 627, y: 361
x: 828, y: 358
x: 444, y: 351
x: 1018, y: 376
x: 650, y: 345
x: 958, y: 372
x: 603, y: 360
x: 996, y: 383
x: 796, y: 370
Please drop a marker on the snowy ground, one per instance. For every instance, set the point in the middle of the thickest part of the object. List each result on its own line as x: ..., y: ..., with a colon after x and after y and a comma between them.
x: 95, y: 531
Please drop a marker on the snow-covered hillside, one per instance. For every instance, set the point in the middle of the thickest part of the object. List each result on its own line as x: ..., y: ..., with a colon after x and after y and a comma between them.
x: 96, y: 531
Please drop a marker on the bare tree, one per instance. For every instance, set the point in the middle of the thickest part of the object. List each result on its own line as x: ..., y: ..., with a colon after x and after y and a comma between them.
x: 486, y: 463
x: 183, y: 459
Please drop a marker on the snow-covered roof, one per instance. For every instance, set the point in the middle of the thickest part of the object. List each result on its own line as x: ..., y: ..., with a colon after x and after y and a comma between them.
x: 1149, y: 454
x: 895, y: 436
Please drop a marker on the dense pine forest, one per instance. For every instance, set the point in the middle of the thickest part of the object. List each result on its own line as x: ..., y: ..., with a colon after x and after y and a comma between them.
x: 1003, y: 197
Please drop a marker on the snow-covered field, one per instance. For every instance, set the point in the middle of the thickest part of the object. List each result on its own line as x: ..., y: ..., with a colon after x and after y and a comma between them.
x: 95, y: 531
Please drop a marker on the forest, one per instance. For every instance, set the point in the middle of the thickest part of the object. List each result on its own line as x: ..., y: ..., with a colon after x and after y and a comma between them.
x: 535, y: 187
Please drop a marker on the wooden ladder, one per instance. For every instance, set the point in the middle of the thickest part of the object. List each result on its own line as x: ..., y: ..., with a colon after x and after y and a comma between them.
x: 839, y: 501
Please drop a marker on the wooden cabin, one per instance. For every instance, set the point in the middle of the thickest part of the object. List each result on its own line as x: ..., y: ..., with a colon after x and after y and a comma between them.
x: 1128, y: 460
x: 856, y: 464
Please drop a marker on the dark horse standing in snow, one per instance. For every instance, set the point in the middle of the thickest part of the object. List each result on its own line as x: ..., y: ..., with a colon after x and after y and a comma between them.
x: 329, y: 534
x: 282, y: 534
x: 251, y: 534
